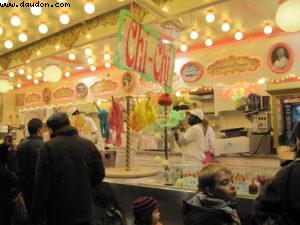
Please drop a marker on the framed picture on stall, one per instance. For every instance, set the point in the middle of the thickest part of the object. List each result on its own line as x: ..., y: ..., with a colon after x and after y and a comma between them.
x: 280, y: 58
x: 191, y: 72
x: 128, y: 81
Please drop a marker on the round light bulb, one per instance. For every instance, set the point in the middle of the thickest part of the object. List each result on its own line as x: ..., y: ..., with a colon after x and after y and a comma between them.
x: 268, y: 29
x: 39, y: 74
x: 210, y: 17
x: 23, y: 37
x: 107, y: 65
x: 35, y: 81
x: 1, y: 30
x: 15, y: 21
x: 106, y: 56
x: 89, y: 8
x: 19, y: 85
x: 8, y: 44
x: 43, y: 28
x: 225, y: 27
x: 178, y: 93
x: 238, y: 35
x: 208, y: 42
x: 11, y: 74
x: 36, y: 11
x: 21, y: 71
x: 29, y: 77
x: 90, y: 61
x: 64, y: 18
x: 45, y: 79
x: 183, y: 47
x: 194, y: 35
x: 287, y: 16
x: 72, y: 56
x: 67, y: 74
x: 88, y: 51
x: 93, y: 68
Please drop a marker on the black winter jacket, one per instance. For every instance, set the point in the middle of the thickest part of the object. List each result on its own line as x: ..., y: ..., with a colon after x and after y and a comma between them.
x: 27, y: 153
x: 282, y: 193
x: 8, y: 181
x: 68, y: 166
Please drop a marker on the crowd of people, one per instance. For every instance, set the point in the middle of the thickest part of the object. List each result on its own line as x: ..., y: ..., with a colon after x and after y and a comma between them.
x: 57, y: 178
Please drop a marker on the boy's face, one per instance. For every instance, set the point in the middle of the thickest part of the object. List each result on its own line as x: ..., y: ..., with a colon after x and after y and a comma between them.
x: 224, y: 188
x: 155, y: 217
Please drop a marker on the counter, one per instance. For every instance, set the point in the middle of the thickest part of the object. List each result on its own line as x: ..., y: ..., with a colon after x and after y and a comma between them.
x: 125, y: 191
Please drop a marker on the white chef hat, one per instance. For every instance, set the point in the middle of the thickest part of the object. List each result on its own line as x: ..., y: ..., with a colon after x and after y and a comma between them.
x: 71, y: 110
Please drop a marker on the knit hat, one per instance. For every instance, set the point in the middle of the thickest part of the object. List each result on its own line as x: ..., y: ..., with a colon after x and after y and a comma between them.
x: 57, y: 120
x: 144, y: 205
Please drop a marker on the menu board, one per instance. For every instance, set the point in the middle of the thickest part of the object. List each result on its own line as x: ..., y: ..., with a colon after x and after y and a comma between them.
x: 290, y: 115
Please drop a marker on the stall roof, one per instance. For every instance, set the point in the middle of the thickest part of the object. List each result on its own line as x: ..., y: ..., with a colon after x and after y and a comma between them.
x: 170, y: 17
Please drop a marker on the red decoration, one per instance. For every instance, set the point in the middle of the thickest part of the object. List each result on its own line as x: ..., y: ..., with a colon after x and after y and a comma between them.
x: 165, y: 100
x: 47, y: 95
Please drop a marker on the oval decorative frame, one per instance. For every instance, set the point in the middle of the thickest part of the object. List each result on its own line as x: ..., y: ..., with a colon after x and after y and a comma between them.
x: 195, y: 73
x: 47, y: 95
x: 128, y: 81
x: 288, y: 54
x: 81, y: 90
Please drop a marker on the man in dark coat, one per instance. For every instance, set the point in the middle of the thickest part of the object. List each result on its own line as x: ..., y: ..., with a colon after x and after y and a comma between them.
x: 27, y: 153
x: 68, y: 167
x: 281, y: 196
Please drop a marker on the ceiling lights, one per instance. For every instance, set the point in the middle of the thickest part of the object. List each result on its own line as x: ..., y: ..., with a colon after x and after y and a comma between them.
x: 194, y: 35
x: 90, y: 61
x: 45, y: 79
x: 79, y: 68
x: 19, y: 85
x: 53, y: 73
x: 11, y: 74
x: 21, y: 71
x: 89, y: 8
x: 72, y: 56
x: 67, y: 74
x: 4, y: 86
x: 238, y: 35
x: 43, y: 28
x: 15, y: 21
x: 39, y: 74
x: 64, y: 18
x: 208, y: 42
x: 29, y: 77
x: 183, y: 47
x: 268, y: 29
x: 88, y: 51
x: 288, y: 16
x: 1, y: 30
x: 225, y: 27
x: 23, y: 37
x: 8, y: 44
x: 210, y: 17
x: 93, y: 68
x: 36, y: 11
x: 106, y: 56
x: 35, y: 81
x: 107, y: 65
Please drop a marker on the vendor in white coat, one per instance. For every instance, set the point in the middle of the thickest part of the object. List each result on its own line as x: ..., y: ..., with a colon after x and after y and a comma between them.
x: 192, y: 141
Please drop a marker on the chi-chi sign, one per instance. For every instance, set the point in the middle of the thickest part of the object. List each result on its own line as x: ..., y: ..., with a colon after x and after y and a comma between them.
x: 140, y: 49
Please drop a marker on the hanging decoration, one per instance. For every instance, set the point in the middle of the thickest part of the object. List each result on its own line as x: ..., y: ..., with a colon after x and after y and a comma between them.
x: 116, y: 118
x: 140, y: 49
x: 165, y: 100
x: 280, y: 58
x: 233, y: 64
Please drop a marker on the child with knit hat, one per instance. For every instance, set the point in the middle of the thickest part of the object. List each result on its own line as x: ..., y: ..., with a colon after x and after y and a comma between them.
x: 145, y: 211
